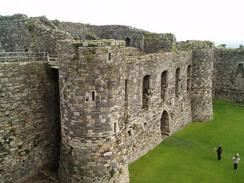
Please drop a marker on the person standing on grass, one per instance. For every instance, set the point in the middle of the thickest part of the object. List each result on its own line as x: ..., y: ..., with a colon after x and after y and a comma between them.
x: 219, y: 152
x: 236, y: 160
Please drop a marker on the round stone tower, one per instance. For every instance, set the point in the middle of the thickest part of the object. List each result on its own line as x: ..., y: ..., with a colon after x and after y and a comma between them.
x: 202, y: 77
x: 92, y: 112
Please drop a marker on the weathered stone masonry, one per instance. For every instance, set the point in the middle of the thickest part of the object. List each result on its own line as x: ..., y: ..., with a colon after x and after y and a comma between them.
x: 112, y: 109
x: 229, y: 74
x: 202, y: 87
x: 28, y: 119
x: 116, y: 102
x: 144, y: 125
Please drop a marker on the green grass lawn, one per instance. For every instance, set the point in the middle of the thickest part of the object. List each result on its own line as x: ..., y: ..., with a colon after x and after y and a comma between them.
x: 189, y: 155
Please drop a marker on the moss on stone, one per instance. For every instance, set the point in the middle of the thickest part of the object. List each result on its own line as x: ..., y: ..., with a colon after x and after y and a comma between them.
x: 194, y: 44
x: 174, y: 47
x: 77, y: 44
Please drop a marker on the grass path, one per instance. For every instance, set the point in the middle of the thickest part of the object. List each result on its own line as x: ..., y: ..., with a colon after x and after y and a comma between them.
x: 189, y: 155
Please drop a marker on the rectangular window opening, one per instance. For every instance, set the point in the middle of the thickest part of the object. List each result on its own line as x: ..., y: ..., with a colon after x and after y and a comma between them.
x: 115, y: 127
x: 126, y: 92
x: 93, y: 96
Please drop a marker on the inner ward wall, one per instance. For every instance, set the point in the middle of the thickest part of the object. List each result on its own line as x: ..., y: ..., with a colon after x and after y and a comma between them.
x: 28, y: 119
x: 229, y: 74
x: 143, y: 125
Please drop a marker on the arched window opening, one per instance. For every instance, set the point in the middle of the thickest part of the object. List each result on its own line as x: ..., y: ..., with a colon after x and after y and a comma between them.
x: 188, y: 85
x: 177, y: 82
x: 146, y: 92
x: 240, y: 70
x: 164, y: 125
x: 164, y: 84
x: 239, y: 77
x: 127, y: 42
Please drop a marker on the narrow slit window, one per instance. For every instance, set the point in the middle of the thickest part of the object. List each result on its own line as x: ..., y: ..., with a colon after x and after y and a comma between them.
x: 115, y: 127
x: 164, y: 84
x: 109, y: 56
x: 93, y: 96
x: 126, y: 92
x: 188, y: 85
x: 177, y: 82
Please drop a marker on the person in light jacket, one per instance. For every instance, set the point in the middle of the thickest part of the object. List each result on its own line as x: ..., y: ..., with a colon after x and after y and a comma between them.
x: 236, y: 160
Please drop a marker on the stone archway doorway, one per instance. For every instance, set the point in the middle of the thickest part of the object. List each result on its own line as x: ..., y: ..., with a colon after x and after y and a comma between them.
x: 164, y: 124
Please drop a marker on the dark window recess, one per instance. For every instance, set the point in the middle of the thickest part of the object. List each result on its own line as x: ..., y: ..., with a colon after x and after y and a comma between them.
x: 240, y: 70
x: 164, y: 85
x: 188, y: 83
x: 188, y: 87
x: 127, y: 42
x: 146, y: 92
x: 177, y: 82
x: 115, y: 127
x: 126, y: 92
x: 130, y: 133
x: 165, y: 128
x: 93, y: 96
x: 109, y: 56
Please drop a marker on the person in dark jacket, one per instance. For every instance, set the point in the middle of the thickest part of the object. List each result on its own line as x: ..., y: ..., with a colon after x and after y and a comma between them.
x: 219, y: 152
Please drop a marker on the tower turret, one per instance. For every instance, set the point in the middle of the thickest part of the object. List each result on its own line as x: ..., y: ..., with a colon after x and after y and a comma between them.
x: 202, y: 77
x: 92, y: 112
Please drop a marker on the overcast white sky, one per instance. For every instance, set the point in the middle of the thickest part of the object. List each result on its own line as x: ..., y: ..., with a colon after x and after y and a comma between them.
x: 215, y: 20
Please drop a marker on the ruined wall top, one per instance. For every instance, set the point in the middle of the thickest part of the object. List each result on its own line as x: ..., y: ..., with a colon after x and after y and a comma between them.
x: 100, y: 43
x: 229, y: 51
x: 194, y: 45
x: 143, y: 40
x: 19, y: 33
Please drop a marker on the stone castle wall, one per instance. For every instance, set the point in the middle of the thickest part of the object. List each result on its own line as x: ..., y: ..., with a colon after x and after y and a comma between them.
x: 229, y: 74
x: 202, y: 87
x: 105, y: 123
x: 144, y: 125
x: 202, y: 78
x: 20, y: 33
x: 116, y: 103
x: 29, y: 123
